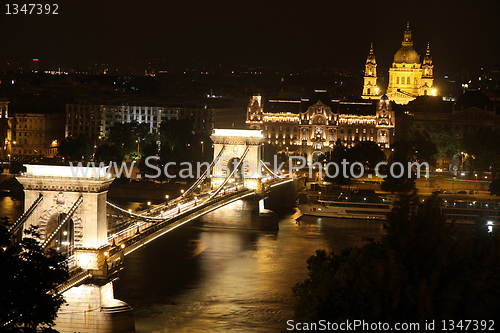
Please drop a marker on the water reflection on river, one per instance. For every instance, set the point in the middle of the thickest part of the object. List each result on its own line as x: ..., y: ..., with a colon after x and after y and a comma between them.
x: 211, y: 280
x: 11, y: 207
x: 201, y: 279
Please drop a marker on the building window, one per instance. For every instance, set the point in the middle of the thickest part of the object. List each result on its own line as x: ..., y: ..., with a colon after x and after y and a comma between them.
x: 408, y: 80
x: 357, y: 130
x: 397, y: 80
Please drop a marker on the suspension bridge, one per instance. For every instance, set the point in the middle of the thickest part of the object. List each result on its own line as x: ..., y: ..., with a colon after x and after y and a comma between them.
x: 71, y: 211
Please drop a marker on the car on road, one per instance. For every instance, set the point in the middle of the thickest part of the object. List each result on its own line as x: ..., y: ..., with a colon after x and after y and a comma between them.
x: 448, y: 192
x: 462, y: 192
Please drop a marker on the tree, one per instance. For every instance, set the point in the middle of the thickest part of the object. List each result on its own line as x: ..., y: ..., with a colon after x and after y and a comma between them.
x: 77, y: 149
x: 403, y: 153
x: 106, y: 153
x: 16, y: 167
x: 121, y: 136
x: 495, y: 187
x: 482, y: 150
x: 175, y: 135
x: 368, y: 153
x: 420, y: 270
x: 424, y: 150
x: 27, y: 282
x: 150, y: 149
x: 337, y: 155
x: 446, y: 141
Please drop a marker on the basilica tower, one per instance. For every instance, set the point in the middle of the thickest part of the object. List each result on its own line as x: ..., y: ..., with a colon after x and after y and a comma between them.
x: 427, y: 87
x: 370, y: 89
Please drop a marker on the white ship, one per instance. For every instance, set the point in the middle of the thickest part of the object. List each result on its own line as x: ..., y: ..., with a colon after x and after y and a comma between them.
x: 364, y: 204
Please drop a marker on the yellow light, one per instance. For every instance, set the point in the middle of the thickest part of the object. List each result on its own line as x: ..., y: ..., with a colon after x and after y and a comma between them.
x: 434, y: 91
x: 65, y: 232
x: 166, y: 197
x: 149, y: 203
x: 182, y: 191
x: 105, y: 254
x: 122, y: 246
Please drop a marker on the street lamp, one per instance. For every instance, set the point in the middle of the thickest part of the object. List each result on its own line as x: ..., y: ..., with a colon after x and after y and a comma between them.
x: 202, y: 146
x: 166, y: 197
x: 137, y: 141
x: 182, y: 191
x: 462, y: 154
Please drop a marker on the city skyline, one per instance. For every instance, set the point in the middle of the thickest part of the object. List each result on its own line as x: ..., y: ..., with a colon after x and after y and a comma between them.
x: 318, y: 33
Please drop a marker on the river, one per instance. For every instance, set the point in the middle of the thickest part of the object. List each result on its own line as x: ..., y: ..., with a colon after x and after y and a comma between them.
x: 197, y: 279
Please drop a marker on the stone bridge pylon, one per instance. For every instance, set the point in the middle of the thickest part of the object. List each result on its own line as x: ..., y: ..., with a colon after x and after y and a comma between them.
x: 70, y: 210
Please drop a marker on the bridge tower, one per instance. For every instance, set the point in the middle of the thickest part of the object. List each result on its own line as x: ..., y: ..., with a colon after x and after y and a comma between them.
x: 75, y: 197
x: 68, y: 204
x: 237, y: 144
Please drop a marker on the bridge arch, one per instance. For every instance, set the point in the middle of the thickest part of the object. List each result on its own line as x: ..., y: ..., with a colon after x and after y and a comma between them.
x: 51, y: 217
x: 235, y: 143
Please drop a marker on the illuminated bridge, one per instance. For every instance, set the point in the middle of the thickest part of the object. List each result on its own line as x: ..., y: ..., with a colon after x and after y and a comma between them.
x: 71, y: 211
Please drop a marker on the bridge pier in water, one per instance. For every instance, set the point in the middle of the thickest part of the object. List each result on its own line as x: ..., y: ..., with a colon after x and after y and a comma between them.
x: 71, y: 215
x: 248, y: 213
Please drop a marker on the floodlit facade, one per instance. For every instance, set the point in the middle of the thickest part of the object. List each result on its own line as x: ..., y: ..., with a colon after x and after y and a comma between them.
x: 313, y: 125
x: 36, y: 134
x: 408, y: 77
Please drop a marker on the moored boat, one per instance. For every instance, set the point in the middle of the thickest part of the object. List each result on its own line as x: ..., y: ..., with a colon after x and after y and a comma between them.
x: 363, y: 204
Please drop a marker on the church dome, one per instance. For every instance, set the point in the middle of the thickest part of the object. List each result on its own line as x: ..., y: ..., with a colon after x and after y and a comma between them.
x: 407, y: 55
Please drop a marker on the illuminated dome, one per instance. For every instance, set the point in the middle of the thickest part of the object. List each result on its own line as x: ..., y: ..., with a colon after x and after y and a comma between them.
x: 407, y: 55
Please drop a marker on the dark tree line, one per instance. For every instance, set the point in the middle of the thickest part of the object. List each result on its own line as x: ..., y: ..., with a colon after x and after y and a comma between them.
x: 175, y: 142
x: 422, y: 269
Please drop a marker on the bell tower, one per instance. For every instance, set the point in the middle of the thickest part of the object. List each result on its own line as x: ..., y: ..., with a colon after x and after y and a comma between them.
x: 254, y: 113
x: 427, y: 87
x: 370, y: 89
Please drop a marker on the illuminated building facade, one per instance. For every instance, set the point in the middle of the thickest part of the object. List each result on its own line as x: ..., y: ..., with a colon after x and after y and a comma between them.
x: 36, y: 134
x: 95, y: 117
x: 313, y: 125
x: 408, y: 78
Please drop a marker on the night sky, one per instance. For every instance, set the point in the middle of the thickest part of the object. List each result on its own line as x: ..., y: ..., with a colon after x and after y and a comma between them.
x: 463, y: 34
